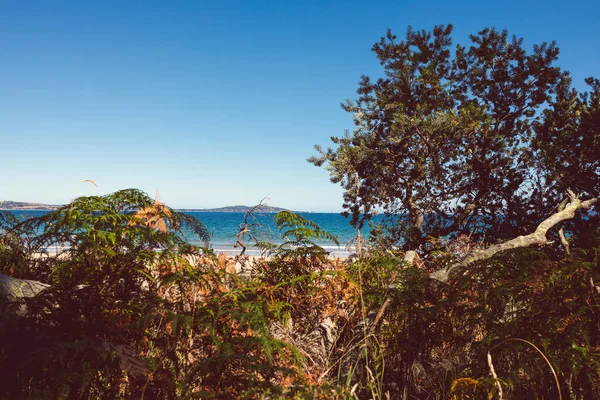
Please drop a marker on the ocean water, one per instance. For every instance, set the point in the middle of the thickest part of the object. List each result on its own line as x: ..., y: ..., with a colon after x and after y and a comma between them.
x: 224, y: 227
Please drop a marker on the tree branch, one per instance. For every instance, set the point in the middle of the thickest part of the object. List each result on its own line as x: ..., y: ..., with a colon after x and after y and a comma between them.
x: 537, y: 237
x: 561, y: 233
x: 563, y: 241
x: 244, y: 228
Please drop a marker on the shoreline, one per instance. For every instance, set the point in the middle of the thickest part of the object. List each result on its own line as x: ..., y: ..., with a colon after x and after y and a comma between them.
x: 233, y: 263
x: 226, y: 249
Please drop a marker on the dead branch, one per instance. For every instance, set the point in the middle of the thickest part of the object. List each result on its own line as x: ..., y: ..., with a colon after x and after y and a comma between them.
x: 561, y: 232
x: 495, y: 376
x: 563, y: 241
x: 538, y: 237
x: 245, y: 227
x: 240, y: 236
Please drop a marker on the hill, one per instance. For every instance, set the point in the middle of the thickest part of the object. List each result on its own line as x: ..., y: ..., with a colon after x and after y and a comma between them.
x: 238, y: 209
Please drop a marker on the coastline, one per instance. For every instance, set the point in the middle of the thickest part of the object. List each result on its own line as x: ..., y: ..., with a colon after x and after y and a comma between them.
x: 237, y: 263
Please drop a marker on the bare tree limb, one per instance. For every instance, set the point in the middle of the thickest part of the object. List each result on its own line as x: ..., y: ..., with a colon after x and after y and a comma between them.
x: 537, y: 237
x: 379, y: 315
x: 245, y: 227
x: 495, y: 376
x: 563, y: 241
x: 240, y: 238
x: 561, y: 232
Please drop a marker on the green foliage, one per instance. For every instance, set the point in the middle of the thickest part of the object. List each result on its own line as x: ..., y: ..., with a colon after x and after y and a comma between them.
x: 147, y: 315
x: 16, y: 246
x: 444, y: 136
x: 301, y: 273
x: 299, y: 236
x: 134, y: 311
x: 230, y: 352
x: 567, y: 139
x: 434, y: 335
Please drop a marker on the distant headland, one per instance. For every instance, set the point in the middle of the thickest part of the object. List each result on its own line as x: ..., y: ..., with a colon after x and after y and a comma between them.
x: 22, y: 206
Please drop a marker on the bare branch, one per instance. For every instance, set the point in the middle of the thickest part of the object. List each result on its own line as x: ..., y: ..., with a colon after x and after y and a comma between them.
x: 495, y: 376
x: 563, y: 241
x: 245, y: 227
x: 561, y: 233
x: 240, y: 238
x: 537, y: 237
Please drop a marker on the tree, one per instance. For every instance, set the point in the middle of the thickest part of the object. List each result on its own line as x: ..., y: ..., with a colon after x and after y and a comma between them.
x: 443, y: 142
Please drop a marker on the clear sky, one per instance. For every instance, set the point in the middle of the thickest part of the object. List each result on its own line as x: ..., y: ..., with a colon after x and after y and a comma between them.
x: 215, y: 103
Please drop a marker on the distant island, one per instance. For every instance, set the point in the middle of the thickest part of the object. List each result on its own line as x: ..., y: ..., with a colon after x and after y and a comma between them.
x: 21, y: 206
x: 238, y: 209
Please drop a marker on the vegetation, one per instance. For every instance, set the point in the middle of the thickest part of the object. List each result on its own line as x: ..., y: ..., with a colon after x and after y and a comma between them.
x: 460, y: 140
x: 482, y: 282
x: 132, y: 310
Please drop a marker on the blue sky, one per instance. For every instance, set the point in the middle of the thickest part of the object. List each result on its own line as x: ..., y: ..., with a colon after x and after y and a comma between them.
x: 215, y: 103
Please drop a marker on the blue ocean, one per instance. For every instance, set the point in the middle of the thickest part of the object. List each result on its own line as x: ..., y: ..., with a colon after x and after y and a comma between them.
x: 224, y: 227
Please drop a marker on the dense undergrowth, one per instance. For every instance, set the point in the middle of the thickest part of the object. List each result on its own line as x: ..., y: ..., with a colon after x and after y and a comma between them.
x: 133, y: 311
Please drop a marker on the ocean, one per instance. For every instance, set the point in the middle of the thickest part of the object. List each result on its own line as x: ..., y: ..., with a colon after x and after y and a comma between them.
x: 224, y: 226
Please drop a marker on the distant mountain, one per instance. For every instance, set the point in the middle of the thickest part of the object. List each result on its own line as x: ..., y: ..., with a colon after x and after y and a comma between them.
x: 20, y: 205
x: 238, y: 209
